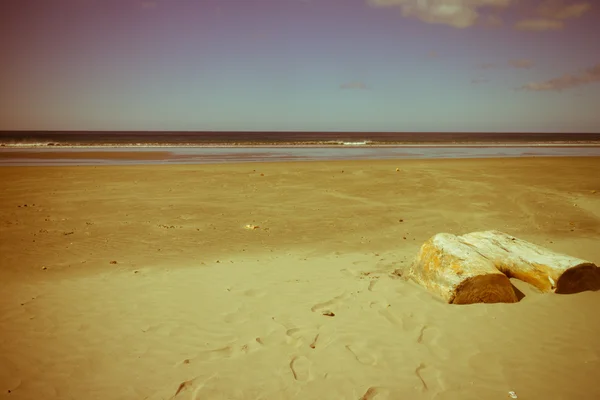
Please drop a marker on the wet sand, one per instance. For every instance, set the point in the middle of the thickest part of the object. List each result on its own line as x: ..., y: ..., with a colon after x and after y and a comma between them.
x: 74, y: 156
x: 46, y: 154
x: 141, y: 282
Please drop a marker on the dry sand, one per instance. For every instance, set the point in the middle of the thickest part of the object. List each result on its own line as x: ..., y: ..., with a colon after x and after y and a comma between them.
x: 199, y: 306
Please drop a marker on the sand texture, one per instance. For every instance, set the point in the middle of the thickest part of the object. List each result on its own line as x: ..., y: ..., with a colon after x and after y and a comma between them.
x: 142, y: 282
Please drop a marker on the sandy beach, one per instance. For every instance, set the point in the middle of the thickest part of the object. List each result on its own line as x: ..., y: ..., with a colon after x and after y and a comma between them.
x: 142, y: 282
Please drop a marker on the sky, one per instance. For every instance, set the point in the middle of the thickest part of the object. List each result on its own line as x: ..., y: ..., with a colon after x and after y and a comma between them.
x: 300, y: 65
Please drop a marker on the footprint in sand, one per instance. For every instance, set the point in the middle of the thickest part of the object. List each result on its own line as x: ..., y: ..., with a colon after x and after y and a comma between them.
x: 226, y: 352
x: 300, y: 337
x: 407, y: 322
x: 374, y: 392
x: 372, y: 285
x: 351, y: 272
x: 421, y: 333
x: 313, y: 345
x: 216, y: 354
x: 429, y: 336
x: 191, y: 387
x: 300, y: 367
x: 238, y: 316
x: 257, y: 293
x: 322, y: 307
x: 252, y: 346
x: 384, y: 311
x: 362, y: 355
x: 162, y: 329
x: 420, y: 376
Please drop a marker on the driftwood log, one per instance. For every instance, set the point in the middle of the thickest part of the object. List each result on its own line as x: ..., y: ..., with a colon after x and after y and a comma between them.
x: 476, y: 267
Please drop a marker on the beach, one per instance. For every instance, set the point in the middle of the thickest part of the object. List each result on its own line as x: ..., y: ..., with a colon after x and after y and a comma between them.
x: 144, y: 281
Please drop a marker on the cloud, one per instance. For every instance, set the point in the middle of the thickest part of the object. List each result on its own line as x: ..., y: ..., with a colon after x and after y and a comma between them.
x: 354, y: 85
x: 477, y: 81
x: 550, y: 15
x: 557, y: 9
x: 539, y: 24
x: 523, y: 63
x: 490, y: 21
x: 566, y: 81
x: 455, y: 13
x: 546, y: 15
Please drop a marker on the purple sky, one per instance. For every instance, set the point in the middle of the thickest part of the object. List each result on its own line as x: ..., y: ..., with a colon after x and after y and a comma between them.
x: 339, y: 65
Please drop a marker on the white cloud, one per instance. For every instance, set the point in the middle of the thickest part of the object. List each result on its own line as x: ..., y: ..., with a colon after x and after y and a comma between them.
x: 539, y: 24
x: 456, y: 13
x: 547, y: 15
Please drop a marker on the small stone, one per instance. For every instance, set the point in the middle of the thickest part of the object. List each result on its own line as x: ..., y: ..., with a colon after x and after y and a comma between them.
x: 397, y: 272
x: 113, y: 262
x: 328, y: 313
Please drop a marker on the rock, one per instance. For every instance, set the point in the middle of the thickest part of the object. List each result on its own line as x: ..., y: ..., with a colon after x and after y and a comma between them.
x: 476, y: 267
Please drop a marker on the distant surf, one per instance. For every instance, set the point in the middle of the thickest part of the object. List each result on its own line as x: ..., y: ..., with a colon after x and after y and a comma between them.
x: 306, y: 139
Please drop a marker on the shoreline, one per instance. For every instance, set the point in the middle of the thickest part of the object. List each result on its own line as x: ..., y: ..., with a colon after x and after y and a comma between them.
x: 301, y: 145
x: 51, y: 156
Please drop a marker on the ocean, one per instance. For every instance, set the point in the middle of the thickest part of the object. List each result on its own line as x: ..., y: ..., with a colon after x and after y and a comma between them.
x: 127, y: 148
x: 180, y: 139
